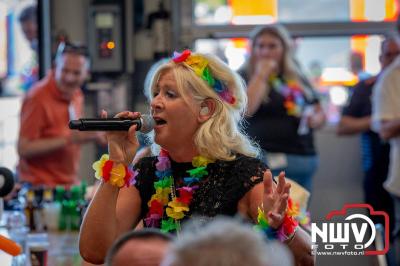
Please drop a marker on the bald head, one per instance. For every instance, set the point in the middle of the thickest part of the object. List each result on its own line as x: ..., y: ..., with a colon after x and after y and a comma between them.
x: 390, y: 49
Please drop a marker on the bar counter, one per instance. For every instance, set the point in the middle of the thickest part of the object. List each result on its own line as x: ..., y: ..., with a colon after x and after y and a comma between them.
x: 63, y: 250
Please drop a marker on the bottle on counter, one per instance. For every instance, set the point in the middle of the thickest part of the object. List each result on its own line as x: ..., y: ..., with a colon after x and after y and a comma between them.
x: 74, y: 207
x: 50, y: 211
x: 63, y: 220
x: 31, y: 210
x: 18, y: 232
x: 38, y: 213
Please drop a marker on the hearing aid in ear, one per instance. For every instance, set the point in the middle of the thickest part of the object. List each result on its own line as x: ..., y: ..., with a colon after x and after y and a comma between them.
x: 204, y: 110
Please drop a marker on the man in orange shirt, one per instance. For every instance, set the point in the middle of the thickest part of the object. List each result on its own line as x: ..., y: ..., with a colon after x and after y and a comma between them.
x: 49, y: 151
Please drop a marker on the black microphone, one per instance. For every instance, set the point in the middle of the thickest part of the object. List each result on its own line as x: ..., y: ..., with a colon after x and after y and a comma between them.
x: 145, y: 124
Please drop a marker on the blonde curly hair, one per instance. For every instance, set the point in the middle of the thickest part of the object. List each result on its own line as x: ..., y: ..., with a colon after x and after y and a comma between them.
x: 221, y: 136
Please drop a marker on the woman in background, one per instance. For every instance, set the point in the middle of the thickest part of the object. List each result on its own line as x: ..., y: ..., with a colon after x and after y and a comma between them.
x: 283, y: 108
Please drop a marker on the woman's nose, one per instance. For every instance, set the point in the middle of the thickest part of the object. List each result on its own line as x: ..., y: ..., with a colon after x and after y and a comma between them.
x: 156, y: 103
x: 265, y: 51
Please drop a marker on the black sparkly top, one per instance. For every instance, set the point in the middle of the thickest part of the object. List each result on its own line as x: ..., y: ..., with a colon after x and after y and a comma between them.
x: 218, y: 193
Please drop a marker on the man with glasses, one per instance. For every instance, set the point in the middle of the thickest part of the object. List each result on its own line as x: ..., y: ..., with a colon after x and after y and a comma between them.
x: 49, y: 151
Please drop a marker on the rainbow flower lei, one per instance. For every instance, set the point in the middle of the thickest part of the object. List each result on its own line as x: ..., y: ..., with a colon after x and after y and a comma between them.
x: 199, y: 65
x: 287, y: 228
x: 116, y: 173
x: 168, y: 205
x: 302, y: 216
x: 293, y: 93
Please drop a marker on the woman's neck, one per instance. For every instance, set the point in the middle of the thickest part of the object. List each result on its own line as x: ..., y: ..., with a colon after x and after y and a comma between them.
x: 182, y: 154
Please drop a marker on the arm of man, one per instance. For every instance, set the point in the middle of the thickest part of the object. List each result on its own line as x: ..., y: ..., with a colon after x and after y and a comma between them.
x: 390, y: 129
x: 29, y: 148
x: 33, y: 121
x: 354, y: 119
x: 386, y: 103
x: 349, y: 125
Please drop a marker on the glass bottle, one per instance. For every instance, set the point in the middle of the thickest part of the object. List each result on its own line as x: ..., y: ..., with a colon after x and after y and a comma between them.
x: 18, y: 232
x: 50, y: 211
x: 30, y: 209
x: 73, y: 207
x: 63, y: 217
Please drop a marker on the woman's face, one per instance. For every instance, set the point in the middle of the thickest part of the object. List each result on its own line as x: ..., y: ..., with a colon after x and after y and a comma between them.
x: 267, y: 46
x: 175, y: 116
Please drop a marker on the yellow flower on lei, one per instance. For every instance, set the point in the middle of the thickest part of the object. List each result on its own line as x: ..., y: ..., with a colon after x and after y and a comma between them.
x: 117, y: 175
x: 294, y: 211
x: 98, y: 166
x: 201, y: 161
x: 292, y: 83
x: 161, y: 195
x: 176, y: 209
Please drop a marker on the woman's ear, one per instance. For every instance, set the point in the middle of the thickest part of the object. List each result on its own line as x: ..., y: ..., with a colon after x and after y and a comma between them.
x: 207, y: 109
x: 204, y: 110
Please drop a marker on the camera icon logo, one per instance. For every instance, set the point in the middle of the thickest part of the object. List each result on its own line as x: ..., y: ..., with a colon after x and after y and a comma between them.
x: 351, y: 232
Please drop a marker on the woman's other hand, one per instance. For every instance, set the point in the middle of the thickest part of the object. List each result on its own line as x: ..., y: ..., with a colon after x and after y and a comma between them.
x: 317, y: 118
x: 122, y: 145
x: 275, y: 198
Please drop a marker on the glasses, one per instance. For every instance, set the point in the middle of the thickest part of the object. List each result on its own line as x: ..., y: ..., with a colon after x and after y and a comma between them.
x: 67, y: 47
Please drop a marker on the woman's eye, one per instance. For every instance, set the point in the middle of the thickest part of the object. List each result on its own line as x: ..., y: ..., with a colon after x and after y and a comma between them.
x: 155, y: 94
x: 170, y: 94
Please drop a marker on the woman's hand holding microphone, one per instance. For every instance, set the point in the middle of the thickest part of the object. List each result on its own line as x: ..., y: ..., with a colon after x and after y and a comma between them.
x: 122, y: 145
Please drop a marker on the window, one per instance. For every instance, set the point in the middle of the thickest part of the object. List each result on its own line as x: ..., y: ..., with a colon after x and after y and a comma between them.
x: 326, y: 60
x: 9, y: 127
x: 238, y: 12
x: 18, y: 69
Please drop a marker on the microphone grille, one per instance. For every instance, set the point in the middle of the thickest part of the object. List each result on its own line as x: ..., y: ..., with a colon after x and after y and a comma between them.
x: 148, y: 123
